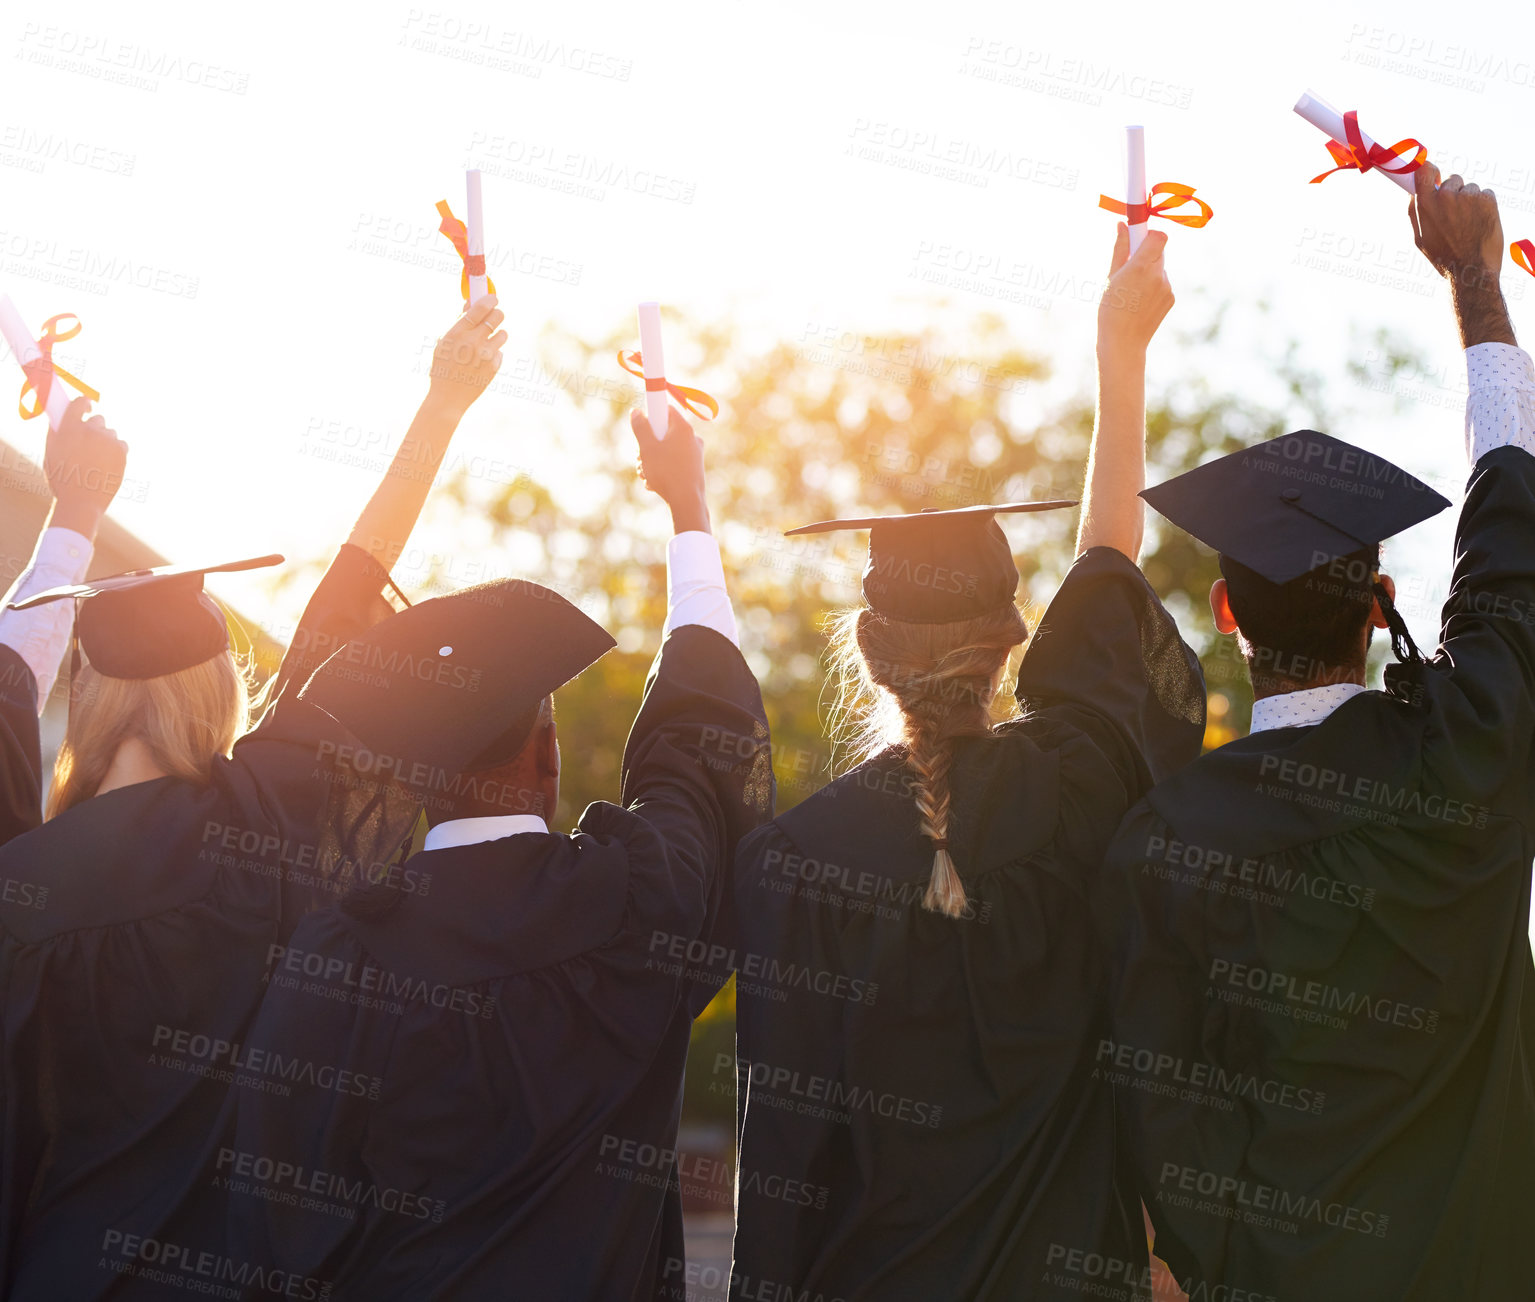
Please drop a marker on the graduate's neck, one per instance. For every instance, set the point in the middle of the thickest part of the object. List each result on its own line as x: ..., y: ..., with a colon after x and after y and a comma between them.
x: 133, y: 763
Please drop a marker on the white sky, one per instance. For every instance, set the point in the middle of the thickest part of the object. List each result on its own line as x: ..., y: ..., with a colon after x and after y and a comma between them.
x: 240, y: 207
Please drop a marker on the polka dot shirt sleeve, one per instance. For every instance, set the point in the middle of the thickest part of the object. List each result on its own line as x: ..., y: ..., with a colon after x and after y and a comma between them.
x: 1500, y: 407
x: 41, y: 635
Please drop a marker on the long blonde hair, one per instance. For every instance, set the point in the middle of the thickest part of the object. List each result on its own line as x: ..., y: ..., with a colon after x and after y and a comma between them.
x: 920, y: 686
x: 185, y: 719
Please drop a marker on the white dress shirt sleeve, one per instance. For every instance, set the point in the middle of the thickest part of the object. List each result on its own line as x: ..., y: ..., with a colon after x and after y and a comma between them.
x: 41, y: 635
x: 695, y: 586
x: 1500, y: 402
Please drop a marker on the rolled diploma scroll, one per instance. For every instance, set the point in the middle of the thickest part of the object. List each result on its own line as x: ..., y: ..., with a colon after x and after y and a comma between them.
x: 24, y: 348
x: 1135, y: 179
x: 1328, y: 120
x: 656, y: 407
x: 475, y: 225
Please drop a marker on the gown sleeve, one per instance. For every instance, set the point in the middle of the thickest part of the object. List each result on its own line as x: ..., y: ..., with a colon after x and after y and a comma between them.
x: 349, y: 601
x: 1156, y: 937
x: 1481, y: 683
x: 697, y: 769
x: 1107, y: 657
x: 293, y: 739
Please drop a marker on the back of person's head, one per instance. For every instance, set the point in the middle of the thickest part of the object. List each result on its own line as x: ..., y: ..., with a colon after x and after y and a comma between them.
x: 375, y: 802
x: 512, y: 777
x: 921, y: 686
x: 1310, y: 631
x: 183, y: 719
x: 449, y: 704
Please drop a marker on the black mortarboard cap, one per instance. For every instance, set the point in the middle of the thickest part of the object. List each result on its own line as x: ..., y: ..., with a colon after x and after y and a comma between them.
x: 440, y: 684
x: 148, y: 623
x: 937, y: 567
x: 1287, y: 506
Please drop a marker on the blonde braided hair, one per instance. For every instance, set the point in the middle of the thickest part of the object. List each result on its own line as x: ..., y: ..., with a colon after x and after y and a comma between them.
x: 920, y: 686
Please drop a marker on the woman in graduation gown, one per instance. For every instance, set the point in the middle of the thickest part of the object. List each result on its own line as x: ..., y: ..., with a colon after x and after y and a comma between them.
x: 919, y: 997
x: 173, y: 860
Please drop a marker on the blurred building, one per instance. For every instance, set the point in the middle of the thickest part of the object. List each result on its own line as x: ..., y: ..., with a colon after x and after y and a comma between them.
x: 24, y: 503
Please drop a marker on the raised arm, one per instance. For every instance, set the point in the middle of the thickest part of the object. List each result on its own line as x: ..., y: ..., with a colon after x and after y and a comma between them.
x: 697, y: 765
x: 464, y: 363
x: 1485, y: 679
x: 83, y: 462
x: 673, y: 469
x: 1457, y: 228
x: 350, y: 598
x: 1134, y: 303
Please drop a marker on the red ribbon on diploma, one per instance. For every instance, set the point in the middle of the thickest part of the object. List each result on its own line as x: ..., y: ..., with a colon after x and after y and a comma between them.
x: 1174, y: 196
x: 695, y: 401
x: 1523, y: 254
x: 458, y: 236
x: 41, y: 370
x: 1355, y: 155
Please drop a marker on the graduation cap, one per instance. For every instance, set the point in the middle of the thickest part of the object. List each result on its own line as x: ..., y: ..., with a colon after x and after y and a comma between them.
x: 448, y: 682
x: 148, y: 623
x: 937, y: 567
x: 1297, y: 502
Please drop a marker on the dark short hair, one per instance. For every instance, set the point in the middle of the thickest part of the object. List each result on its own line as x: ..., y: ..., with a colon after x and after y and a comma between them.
x: 510, y: 743
x: 1308, y: 628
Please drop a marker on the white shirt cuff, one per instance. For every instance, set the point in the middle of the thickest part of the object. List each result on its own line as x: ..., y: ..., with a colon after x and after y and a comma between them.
x: 695, y: 586
x: 471, y: 831
x: 1500, y: 404
x: 41, y: 635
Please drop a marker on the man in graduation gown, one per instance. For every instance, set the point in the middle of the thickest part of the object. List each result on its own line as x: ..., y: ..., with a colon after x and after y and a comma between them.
x: 917, y: 1118
x: 1325, y: 1028
x: 124, y: 1001
x: 83, y: 463
x: 519, y: 1029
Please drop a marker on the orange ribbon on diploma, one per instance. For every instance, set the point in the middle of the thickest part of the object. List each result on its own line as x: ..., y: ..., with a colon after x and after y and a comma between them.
x: 1173, y: 195
x: 41, y: 370
x: 1523, y: 254
x: 694, y: 401
x: 1355, y: 155
x: 458, y: 235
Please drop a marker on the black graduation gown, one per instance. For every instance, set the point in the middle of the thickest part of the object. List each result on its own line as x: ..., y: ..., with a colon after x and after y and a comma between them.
x: 519, y: 1028
x: 1326, y: 1013
x: 120, y: 999
x: 21, y: 768
x: 918, y: 1118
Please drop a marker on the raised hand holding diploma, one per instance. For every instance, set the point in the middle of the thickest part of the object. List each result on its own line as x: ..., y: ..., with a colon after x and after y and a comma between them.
x: 649, y: 365
x: 1456, y: 226
x: 35, y: 356
x: 1136, y: 300
x: 1352, y: 150
x: 1138, y: 296
x: 468, y: 356
x: 84, y: 463
x: 1137, y: 209
x: 673, y: 469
